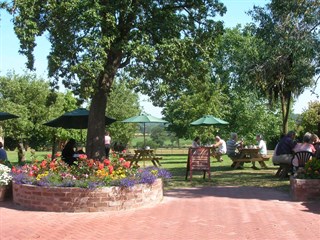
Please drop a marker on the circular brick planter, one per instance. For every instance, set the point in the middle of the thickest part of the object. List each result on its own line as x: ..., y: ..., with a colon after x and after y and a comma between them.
x: 63, y: 199
x: 304, y: 189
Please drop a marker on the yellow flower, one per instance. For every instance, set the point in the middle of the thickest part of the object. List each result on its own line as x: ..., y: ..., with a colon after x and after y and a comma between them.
x: 42, y: 175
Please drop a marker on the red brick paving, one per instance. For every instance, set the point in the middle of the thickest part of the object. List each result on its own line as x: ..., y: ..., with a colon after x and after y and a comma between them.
x: 193, y: 213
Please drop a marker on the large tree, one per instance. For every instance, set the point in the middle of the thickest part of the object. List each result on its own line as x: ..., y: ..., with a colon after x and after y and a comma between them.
x: 288, y: 52
x: 92, y: 39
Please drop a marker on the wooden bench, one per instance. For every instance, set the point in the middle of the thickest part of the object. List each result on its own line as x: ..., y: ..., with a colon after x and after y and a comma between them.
x: 249, y: 155
x: 155, y: 160
x: 144, y: 155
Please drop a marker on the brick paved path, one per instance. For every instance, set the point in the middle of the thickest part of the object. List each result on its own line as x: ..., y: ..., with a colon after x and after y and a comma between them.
x: 195, y: 213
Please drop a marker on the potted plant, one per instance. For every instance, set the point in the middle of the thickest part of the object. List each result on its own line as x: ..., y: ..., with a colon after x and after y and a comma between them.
x: 5, y: 180
x: 305, y: 184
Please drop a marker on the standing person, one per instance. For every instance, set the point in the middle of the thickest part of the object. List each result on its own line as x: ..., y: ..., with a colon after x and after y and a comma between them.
x: 3, y: 153
x: 107, y: 143
x: 221, y: 148
x: 284, y: 149
x: 68, y: 152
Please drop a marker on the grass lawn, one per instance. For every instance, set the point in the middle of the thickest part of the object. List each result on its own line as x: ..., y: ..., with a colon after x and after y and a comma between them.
x: 221, y: 172
x: 223, y: 175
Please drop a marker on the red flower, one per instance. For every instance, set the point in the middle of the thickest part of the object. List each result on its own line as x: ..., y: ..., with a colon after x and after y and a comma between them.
x: 107, y: 162
x: 31, y: 174
x: 49, y: 155
x: 35, y: 168
x: 58, y: 154
x: 100, y: 166
x: 126, y: 164
x: 43, y: 164
x: 52, y: 165
x: 90, y: 163
x: 110, y: 169
x: 121, y: 159
x: 124, y: 151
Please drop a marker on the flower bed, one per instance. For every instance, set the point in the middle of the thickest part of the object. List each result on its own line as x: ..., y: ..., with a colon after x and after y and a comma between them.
x: 73, y: 199
x: 89, y: 185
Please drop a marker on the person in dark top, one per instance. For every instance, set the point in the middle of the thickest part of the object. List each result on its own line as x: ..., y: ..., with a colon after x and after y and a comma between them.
x: 284, y: 149
x: 68, y: 152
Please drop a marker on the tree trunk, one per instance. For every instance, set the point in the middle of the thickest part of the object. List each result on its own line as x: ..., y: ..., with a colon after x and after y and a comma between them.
x: 21, y: 154
x: 96, y: 125
x: 285, y: 106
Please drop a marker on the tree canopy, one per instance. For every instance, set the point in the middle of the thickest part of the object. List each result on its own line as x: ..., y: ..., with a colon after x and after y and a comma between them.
x: 92, y: 40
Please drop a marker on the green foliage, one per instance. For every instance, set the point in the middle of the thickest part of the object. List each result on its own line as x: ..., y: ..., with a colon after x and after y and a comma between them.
x: 311, y: 170
x: 310, y: 118
x: 122, y: 104
x: 32, y: 100
x: 92, y: 40
x: 158, y: 135
x: 288, y: 50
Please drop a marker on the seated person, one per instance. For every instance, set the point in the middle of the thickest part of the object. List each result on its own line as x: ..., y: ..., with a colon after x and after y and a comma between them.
x: 262, y: 146
x: 68, y: 152
x: 221, y: 148
x: 284, y: 150
x: 196, y: 142
x: 233, y: 147
x: 316, y: 143
x: 306, y: 145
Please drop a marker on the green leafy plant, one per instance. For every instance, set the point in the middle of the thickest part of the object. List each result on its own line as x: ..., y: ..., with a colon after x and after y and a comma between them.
x: 312, y: 168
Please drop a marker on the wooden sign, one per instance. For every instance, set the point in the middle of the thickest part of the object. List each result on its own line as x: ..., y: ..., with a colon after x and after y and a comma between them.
x: 198, y: 160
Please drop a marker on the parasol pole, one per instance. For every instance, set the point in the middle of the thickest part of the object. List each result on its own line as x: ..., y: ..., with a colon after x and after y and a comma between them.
x: 144, y: 134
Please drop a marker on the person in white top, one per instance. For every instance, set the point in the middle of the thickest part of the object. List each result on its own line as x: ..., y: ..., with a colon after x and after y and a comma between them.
x: 261, y: 144
x: 221, y: 148
x: 107, y: 143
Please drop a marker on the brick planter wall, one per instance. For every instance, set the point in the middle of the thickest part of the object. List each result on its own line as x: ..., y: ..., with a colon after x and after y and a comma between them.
x: 304, y: 189
x: 63, y: 199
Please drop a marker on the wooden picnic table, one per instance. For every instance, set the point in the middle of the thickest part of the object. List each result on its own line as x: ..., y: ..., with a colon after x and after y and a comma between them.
x: 249, y: 155
x: 145, y: 155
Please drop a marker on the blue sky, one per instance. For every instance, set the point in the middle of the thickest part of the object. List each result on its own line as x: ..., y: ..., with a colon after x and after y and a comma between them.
x: 10, y: 59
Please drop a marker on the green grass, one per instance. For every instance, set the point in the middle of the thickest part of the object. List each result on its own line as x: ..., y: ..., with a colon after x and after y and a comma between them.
x: 223, y: 175
x: 221, y: 172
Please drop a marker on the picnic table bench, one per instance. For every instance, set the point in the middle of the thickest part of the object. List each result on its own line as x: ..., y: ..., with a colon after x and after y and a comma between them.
x: 144, y: 155
x: 249, y: 155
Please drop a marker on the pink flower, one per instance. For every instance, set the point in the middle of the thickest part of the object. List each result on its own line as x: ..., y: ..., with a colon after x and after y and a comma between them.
x: 110, y: 169
x: 82, y: 156
x: 126, y: 164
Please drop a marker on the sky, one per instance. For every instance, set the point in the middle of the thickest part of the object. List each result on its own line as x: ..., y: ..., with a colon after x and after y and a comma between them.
x: 11, y: 60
